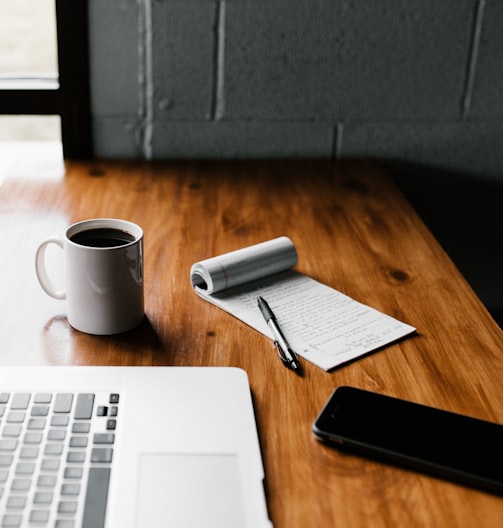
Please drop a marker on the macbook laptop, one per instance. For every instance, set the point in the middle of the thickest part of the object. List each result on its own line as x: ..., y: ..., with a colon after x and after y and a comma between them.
x: 127, y: 447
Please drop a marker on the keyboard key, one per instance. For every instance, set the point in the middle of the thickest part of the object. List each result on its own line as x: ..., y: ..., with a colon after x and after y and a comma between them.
x: 73, y: 472
x: 76, y: 457
x: 20, y: 401
x: 39, y: 516
x: 16, y: 417
x: 81, y: 427
x: 102, y: 410
x: 101, y: 455
x: 70, y: 489
x: 36, y: 424
x: 114, y: 398
x: 29, y: 452
x: 6, y: 460
x: 63, y: 403
x: 39, y: 410
x: 16, y: 502
x: 50, y: 464
x: 46, y: 481
x: 8, y: 444
x: 56, y: 435
x: 25, y: 468
x: 33, y: 438
x: 21, y: 484
x: 64, y: 523
x: 111, y: 425
x: 43, y: 497
x: 59, y: 420
x: 43, y: 397
x: 11, y: 521
x: 104, y: 438
x: 67, y: 507
x: 114, y: 410
x: 53, y: 449
x: 78, y: 441
x: 4, y: 397
x: 84, y: 407
x: 96, y: 498
x: 12, y: 430
x: 3, y: 475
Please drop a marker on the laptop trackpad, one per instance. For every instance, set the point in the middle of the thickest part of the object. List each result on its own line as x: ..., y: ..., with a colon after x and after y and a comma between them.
x: 190, y: 490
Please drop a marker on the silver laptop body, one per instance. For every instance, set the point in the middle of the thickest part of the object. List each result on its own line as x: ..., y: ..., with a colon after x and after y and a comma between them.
x: 141, y: 447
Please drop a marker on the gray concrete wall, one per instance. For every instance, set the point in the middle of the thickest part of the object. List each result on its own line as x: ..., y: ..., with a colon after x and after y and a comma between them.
x: 413, y: 80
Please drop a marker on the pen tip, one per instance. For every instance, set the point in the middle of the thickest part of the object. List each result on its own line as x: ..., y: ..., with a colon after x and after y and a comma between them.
x: 297, y: 368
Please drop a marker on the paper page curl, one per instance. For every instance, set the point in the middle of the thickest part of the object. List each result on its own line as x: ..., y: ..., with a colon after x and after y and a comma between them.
x: 243, y: 265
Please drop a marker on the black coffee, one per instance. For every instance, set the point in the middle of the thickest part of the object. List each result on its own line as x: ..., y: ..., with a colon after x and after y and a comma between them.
x: 102, y: 237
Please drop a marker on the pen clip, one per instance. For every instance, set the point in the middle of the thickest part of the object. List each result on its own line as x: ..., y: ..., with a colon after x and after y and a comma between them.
x: 290, y: 363
x: 281, y: 354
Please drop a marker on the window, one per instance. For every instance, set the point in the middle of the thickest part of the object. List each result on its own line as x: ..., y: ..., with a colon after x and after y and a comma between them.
x: 64, y: 92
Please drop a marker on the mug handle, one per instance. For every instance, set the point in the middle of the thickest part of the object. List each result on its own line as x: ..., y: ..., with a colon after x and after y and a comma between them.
x: 40, y: 268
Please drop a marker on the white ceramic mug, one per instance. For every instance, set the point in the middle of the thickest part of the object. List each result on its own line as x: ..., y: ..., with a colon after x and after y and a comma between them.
x: 103, y: 275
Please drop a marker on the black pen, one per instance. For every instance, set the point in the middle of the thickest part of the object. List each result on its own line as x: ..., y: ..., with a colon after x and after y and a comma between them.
x: 286, y: 354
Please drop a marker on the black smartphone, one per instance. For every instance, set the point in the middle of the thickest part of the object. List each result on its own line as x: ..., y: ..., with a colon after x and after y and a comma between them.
x: 441, y: 443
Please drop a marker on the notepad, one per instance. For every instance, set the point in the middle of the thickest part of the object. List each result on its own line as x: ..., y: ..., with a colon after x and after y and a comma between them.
x: 322, y: 325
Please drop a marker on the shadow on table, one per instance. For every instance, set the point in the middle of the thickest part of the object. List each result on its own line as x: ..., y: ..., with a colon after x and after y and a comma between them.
x: 63, y: 344
x: 465, y: 213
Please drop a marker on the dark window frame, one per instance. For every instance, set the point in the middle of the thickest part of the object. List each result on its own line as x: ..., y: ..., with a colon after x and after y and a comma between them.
x: 66, y: 95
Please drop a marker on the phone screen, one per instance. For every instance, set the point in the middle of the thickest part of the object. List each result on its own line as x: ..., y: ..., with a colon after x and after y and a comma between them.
x: 464, y: 449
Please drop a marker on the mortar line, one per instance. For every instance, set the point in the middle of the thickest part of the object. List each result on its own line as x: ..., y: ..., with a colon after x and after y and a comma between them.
x: 141, y: 76
x: 218, y: 103
x: 145, y: 81
x: 337, y: 141
x: 472, y: 59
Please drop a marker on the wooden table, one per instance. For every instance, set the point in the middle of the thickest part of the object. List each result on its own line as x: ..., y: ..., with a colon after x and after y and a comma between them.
x: 353, y: 231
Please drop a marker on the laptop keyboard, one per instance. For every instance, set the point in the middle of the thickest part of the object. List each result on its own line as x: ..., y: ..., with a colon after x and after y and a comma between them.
x: 56, y: 452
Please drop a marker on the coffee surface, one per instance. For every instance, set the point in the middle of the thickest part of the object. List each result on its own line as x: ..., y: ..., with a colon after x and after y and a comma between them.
x: 102, y: 237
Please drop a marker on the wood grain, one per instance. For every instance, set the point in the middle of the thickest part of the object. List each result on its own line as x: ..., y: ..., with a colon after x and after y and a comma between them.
x: 353, y: 231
